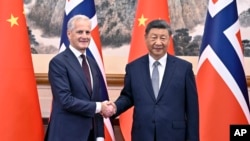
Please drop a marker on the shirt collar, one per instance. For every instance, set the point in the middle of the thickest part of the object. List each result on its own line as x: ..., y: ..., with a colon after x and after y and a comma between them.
x: 162, y: 60
x: 76, y: 52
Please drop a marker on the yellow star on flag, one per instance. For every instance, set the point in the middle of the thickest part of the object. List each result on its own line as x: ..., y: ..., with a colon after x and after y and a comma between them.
x: 142, y: 20
x: 13, y: 20
x: 24, y: 11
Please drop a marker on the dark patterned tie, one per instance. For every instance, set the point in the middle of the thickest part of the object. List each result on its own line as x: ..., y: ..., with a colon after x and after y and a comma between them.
x: 85, y: 68
x: 155, y: 78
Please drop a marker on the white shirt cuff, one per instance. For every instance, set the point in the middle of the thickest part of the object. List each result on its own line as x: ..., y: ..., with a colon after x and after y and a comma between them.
x: 99, y: 139
x: 98, y: 107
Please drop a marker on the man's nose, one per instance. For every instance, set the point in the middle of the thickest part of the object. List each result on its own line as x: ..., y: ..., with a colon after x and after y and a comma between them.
x: 158, y: 41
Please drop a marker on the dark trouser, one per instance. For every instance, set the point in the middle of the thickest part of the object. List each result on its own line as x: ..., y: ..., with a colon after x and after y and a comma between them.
x: 155, y: 134
x: 91, y: 136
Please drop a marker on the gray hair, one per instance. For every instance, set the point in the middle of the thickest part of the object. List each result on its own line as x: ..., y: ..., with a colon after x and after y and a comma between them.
x: 75, y: 18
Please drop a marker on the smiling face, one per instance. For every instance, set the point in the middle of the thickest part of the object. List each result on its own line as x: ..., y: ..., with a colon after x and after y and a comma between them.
x: 157, y: 40
x: 79, y: 34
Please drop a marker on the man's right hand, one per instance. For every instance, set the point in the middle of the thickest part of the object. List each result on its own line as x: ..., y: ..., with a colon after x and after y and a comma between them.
x: 108, y: 109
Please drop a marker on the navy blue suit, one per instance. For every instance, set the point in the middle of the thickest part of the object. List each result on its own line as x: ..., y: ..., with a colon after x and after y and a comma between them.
x: 73, y: 107
x: 173, y: 116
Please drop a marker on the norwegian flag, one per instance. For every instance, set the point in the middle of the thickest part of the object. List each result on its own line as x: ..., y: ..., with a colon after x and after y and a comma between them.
x: 87, y: 7
x: 221, y: 80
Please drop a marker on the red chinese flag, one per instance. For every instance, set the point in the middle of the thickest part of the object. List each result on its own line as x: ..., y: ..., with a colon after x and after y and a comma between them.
x: 19, y: 105
x: 146, y: 11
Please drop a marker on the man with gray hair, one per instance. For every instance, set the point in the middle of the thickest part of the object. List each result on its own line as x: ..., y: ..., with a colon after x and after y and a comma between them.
x: 75, y: 84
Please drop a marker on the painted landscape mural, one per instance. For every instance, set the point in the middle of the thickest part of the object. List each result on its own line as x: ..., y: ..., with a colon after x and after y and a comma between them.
x: 115, y: 20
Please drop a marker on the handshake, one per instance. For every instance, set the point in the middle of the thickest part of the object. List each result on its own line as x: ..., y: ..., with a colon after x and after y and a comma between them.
x: 108, y: 109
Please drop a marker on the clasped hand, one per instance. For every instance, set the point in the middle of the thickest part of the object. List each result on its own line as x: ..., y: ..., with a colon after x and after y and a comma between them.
x: 108, y: 109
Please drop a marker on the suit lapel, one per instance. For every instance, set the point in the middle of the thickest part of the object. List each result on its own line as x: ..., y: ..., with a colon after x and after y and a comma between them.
x: 167, y: 76
x: 147, y: 77
x: 76, y: 66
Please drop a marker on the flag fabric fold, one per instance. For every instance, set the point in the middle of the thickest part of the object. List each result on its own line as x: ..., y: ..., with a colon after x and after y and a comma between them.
x: 19, y: 103
x: 146, y: 11
x: 87, y: 7
x: 221, y: 80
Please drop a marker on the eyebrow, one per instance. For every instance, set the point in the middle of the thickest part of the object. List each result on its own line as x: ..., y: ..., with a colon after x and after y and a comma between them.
x: 81, y: 31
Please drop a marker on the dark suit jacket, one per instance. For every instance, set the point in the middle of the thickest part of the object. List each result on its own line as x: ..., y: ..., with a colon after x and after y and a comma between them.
x: 173, y: 116
x: 73, y: 107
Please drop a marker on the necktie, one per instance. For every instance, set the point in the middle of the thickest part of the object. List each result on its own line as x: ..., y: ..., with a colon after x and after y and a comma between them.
x: 85, y: 68
x: 155, y: 78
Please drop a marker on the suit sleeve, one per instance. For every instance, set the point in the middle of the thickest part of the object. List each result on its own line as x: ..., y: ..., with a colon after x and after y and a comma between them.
x: 125, y: 100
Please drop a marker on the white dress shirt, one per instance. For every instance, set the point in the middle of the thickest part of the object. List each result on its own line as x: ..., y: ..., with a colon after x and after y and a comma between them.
x: 161, y: 66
